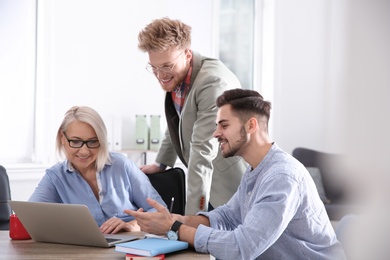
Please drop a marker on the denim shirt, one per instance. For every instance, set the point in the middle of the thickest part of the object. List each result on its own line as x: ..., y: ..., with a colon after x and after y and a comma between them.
x: 275, y: 214
x: 122, y: 185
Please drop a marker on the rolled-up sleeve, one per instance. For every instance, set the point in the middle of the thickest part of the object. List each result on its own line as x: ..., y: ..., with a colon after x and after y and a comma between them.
x: 201, y: 238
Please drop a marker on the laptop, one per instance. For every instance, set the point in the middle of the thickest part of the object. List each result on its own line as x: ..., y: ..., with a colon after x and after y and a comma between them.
x: 64, y: 224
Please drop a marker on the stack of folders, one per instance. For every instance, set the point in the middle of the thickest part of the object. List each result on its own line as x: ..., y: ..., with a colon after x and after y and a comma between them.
x: 151, y: 246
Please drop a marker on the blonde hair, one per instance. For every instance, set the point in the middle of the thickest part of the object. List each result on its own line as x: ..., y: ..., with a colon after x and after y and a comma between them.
x: 163, y: 34
x: 91, y: 117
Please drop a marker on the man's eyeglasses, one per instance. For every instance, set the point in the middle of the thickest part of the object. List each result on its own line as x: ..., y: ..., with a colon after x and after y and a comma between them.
x: 79, y: 143
x: 164, y: 68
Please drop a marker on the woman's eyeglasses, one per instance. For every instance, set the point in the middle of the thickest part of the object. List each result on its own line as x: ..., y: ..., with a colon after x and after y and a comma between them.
x: 75, y: 143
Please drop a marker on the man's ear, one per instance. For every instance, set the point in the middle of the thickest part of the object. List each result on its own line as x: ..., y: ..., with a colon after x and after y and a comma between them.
x: 251, y: 125
x: 188, y: 54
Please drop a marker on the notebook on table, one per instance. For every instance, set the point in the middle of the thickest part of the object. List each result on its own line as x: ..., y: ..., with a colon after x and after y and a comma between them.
x: 64, y: 224
x: 151, y: 246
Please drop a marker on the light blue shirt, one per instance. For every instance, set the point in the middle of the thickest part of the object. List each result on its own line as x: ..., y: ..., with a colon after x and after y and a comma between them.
x: 275, y: 214
x: 122, y: 185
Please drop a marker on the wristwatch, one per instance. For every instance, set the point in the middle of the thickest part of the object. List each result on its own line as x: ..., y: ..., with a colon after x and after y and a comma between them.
x: 173, y: 233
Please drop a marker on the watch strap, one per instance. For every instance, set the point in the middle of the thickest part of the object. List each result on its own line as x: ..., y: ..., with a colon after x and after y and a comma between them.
x: 176, y: 225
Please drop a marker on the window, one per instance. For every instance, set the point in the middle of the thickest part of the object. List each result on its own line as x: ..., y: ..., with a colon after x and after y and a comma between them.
x: 236, y: 36
x: 17, y: 80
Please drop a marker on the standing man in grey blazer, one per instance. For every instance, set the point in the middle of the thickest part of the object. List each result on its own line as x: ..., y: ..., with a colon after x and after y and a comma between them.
x: 192, y: 83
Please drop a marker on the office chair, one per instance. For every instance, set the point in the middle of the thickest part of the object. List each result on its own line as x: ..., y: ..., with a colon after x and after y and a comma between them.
x: 5, y: 195
x: 333, y: 177
x: 171, y: 183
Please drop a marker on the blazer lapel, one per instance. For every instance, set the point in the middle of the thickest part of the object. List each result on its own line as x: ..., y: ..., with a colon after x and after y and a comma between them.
x: 173, y: 126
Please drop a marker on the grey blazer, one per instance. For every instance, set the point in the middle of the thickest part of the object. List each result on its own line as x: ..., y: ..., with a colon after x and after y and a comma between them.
x: 210, y: 177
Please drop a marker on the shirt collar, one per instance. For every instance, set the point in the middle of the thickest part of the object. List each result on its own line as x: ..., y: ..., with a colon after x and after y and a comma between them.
x: 70, y: 168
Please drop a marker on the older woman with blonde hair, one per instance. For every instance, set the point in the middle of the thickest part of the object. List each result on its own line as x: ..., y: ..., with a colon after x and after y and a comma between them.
x: 107, y: 182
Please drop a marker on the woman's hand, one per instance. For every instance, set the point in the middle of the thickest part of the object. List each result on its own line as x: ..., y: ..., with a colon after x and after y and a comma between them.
x: 114, y: 225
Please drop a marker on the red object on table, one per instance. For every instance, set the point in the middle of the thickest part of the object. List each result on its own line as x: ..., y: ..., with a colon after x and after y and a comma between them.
x: 16, y: 229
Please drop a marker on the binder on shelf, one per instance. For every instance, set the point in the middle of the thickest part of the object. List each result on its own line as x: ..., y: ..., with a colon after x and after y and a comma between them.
x: 141, y: 132
x: 155, y: 132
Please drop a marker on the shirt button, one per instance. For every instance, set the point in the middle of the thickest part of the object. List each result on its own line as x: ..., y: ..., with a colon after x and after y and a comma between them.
x: 249, y: 193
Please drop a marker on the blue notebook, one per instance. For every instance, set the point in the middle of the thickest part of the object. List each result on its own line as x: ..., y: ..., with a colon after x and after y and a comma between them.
x: 151, y: 246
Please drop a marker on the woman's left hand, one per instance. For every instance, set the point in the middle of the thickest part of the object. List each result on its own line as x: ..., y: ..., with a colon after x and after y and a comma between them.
x: 114, y: 225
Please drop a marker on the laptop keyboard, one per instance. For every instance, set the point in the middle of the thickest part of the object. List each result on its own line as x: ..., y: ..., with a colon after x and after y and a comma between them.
x: 110, y: 240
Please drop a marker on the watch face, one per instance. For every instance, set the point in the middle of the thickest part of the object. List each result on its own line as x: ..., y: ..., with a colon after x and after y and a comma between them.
x: 172, y: 235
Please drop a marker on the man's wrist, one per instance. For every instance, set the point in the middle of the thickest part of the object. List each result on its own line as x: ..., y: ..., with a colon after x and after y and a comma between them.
x: 160, y: 165
x: 173, y: 233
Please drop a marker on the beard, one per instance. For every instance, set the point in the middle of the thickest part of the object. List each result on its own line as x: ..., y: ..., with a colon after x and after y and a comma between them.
x: 236, y: 146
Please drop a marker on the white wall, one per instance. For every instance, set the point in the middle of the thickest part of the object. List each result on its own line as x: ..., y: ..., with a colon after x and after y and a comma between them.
x: 309, y: 58
x: 89, y: 56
